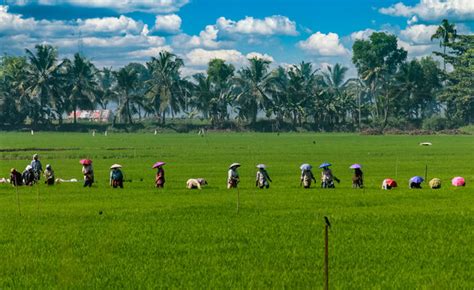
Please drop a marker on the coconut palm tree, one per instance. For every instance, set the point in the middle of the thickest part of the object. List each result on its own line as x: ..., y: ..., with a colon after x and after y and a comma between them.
x: 42, y: 81
x: 106, y: 82
x: 446, y: 33
x: 338, y: 102
x: 302, y: 94
x: 253, y: 83
x: 127, y: 82
x: 279, y: 91
x: 221, y: 87
x: 165, y: 88
x: 13, y: 99
x: 81, y: 84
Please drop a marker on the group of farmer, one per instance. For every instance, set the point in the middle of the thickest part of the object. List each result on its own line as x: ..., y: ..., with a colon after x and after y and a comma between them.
x: 34, y: 170
x: 306, y: 178
x: 32, y: 174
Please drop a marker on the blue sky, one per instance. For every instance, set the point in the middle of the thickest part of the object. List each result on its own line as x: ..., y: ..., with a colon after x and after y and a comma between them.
x: 115, y: 32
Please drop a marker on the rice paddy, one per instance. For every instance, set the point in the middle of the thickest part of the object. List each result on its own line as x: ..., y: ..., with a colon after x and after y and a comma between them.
x: 67, y: 236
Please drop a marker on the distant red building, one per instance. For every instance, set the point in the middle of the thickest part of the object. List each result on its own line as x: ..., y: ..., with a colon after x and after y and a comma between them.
x: 100, y: 116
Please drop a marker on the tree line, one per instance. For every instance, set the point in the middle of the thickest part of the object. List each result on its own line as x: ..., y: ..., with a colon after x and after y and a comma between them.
x: 389, y: 90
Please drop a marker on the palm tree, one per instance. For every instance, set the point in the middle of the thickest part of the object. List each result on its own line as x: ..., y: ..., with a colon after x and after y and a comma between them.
x: 302, y: 95
x: 253, y: 82
x: 446, y: 33
x: 13, y: 100
x: 338, y: 103
x: 279, y: 91
x: 106, y: 83
x: 202, y: 94
x: 166, y: 87
x: 42, y: 80
x: 127, y: 82
x: 82, y: 86
x: 220, y: 87
x: 334, y: 76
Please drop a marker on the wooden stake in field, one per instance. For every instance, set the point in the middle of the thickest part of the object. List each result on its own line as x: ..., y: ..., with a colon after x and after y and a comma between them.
x: 327, y: 225
x: 426, y: 172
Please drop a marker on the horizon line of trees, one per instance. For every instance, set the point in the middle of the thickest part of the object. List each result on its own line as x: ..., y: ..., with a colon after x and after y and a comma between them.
x: 389, y: 91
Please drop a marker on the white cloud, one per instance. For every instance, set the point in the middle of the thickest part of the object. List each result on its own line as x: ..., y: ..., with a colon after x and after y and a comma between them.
x: 168, y: 23
x: 124, y: 41
x: 149, y: 6
x: 207, y: 38
x: 226, y: 32
x: 362, y: 34
x: 260, y: 56
x: 419, y: 34
x: 14, y: 22
x: 106, y: 40
x: 417, y: 50
x: 323, y: 45
x: 273, y: 25
x: 149, y: 52
x: 120, y: 24
x: 201, y: 57
x: 434, y: 10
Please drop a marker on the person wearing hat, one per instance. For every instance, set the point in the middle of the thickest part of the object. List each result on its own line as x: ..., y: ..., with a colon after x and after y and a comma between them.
x: 414, y: 185
x: 357, y: 179
x: 435, y: 183
x: 160, y: 177
x: 88, y: 173
x: 195, y: 183
x: 37, y: 167
x: 233, y: 178
x: 116, y: 177
x: 16, y: 179
x: 49, y: 175
x: 327, y: 178
x: 262, y: 177
x: 306, y: 177
x: 28, y: 176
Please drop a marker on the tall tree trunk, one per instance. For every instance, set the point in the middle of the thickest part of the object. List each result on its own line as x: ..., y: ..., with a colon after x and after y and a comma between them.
x: 129, y: 114
x: 74, y: 113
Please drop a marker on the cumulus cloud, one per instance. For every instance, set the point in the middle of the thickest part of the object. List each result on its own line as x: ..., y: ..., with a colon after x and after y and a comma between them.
x: 149, y: 6
x: 321, y: 44
x: 149, y: 52
x: 226, y: 32
x: 272, y: 25
x: 260, y: 56
x: 201, y: 57
x: 417, y: 50
x: 434, y: 10
x: 106, y: 40
x: 207, y: 38
x: 168, y: 23
x: 362, y: 34
x: 418, y: 34
x: 121, y: 24
x: 12, y: 22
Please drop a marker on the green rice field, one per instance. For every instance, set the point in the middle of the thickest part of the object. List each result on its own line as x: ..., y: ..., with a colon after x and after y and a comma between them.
x: 67, y: 236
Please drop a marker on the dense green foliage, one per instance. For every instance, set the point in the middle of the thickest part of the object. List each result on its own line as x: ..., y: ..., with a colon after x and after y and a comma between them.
x: 177, y: 238
x: 390, y: 91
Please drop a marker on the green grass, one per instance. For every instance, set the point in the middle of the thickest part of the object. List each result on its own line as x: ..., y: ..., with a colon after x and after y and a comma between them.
x: 195, y: 239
